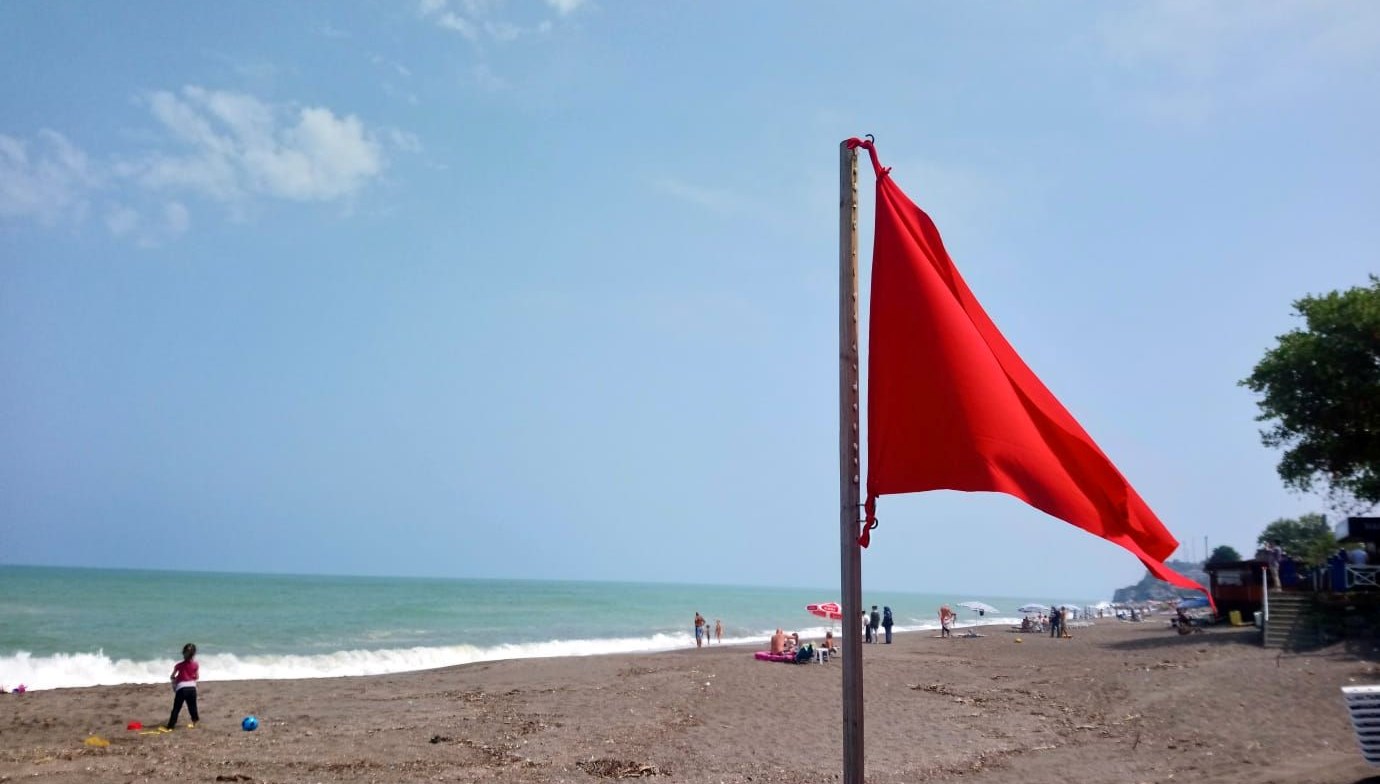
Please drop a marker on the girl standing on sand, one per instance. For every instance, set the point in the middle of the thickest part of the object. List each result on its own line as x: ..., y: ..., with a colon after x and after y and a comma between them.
x: 718, y: 631
x: 184, y: 678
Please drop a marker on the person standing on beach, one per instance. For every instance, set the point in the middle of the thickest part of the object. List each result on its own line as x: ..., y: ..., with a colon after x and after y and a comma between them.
x: 874, y: 623
x: 887, y: 623
x: 699, y: 629
x: 184, y: 677
x: 1056, y: 622
x: 946, y: 621
x: 866, y: 627
x: 718, y: 631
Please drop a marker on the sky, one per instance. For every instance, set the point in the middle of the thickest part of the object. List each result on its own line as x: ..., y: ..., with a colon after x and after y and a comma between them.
x: 478, y: 288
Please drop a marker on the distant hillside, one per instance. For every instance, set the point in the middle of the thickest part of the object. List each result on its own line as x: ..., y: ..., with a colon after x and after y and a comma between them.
x: 1151, y: 589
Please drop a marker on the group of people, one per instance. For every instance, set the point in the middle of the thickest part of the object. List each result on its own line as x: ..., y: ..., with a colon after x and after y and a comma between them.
x: 1057, y: 625
x: 782, y: 643
x: 702, y: 630
x: 874, y: 621
x: 1056, y: 621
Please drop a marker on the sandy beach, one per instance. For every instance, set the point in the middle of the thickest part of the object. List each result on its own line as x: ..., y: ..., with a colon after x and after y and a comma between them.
x: 1117, y: 703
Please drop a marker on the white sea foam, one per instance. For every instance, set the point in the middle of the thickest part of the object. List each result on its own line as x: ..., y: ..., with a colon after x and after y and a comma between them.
x: 68, y: 670
x: 95, y: 669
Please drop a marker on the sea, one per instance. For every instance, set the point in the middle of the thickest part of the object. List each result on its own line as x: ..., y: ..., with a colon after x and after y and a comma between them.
x: 64, y: 628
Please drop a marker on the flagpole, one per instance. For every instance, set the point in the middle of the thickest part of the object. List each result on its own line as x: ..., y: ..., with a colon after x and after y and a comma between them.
x: 850, y: 553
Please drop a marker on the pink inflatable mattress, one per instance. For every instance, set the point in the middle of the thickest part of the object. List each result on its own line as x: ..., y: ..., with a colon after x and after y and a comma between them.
x: 776, y: 657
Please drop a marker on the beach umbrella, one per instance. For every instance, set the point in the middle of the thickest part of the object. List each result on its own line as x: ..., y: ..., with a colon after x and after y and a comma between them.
x: 979, y: 607
x: 827, y: 610
x: 1032, y: 608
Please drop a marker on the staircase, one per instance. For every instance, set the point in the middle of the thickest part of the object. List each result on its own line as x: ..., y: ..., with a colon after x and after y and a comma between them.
x: 1293, y: 622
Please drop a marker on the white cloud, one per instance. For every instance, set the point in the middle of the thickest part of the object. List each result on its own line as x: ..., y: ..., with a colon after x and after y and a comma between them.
x: 476, y: 20
x: 225, y: 146
x: 461, y: 25
x: 121, y: 220
x: 170, y: 221
x: 176, y: 218
x: 237, y: 146
x: 503, y: 31
x: 1194, y: 57
x: 47, y: 180
x: 393, y: 65
x: 406, y: 141
x: 565, y: 7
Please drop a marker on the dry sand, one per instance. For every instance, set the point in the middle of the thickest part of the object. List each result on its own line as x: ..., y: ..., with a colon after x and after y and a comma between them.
x: 1118, y: 703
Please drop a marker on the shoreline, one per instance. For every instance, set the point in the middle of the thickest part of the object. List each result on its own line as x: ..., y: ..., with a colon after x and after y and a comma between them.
x: 1118, y: 702
x: 368, y: 662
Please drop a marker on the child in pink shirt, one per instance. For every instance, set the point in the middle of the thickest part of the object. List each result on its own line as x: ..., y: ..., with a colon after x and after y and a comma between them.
x: 184, y: 678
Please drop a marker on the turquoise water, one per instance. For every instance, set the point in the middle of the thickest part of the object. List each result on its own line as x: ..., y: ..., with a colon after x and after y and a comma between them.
x: 80, y: 627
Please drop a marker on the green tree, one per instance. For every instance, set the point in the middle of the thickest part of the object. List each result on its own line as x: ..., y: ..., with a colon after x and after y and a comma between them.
x: 1223, y: 553
x: 1307, y: 538
x: 1320, y: 389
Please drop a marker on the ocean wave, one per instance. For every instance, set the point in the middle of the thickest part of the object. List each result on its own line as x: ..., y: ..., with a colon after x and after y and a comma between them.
x: 72, y: 670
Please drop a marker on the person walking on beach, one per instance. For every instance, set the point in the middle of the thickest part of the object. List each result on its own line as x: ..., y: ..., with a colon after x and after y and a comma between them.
x: 184, y: 677
x: 699, y: 629
x: 718, y: 631
x: 946, y: 621
x: 874, y: 623
x: 866, y: 627
x: 1056, y: 622
x: 887, y: 623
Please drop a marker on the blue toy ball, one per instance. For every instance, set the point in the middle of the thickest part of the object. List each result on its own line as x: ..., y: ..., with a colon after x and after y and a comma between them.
x: 250, y: 723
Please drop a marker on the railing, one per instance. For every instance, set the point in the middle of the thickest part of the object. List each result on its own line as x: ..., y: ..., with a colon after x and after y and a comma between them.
x: 1362, y: 576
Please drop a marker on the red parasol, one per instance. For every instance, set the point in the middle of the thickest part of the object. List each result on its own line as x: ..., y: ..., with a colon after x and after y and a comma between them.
x: 828, y: 610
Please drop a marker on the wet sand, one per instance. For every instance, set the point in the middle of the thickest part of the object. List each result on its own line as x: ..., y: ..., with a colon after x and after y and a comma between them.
x: 1119, y: 702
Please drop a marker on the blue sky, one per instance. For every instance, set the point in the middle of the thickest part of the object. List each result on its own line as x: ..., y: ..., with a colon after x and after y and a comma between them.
x: 547, y: 289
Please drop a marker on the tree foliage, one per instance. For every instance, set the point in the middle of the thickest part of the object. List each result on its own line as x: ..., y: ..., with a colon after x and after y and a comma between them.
x: 1223, y: 553
x: 1307, y: 538
x: 1320, y: 389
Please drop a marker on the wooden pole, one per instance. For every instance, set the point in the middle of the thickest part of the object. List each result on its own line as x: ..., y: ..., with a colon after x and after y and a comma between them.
x: 850, y: 554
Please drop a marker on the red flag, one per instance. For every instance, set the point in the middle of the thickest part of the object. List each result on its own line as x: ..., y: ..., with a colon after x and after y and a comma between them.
x: 951, y: 406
